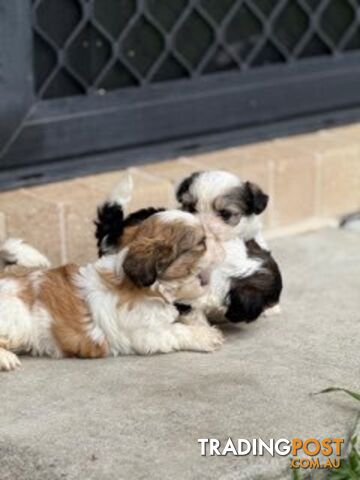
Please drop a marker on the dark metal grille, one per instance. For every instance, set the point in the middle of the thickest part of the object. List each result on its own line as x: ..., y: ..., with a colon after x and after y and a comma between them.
x: 92, y: 46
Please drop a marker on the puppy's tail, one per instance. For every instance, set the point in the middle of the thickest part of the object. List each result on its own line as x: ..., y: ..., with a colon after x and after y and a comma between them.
x: 110, y: 216
x: 122, y: 192
x: 15, y: 251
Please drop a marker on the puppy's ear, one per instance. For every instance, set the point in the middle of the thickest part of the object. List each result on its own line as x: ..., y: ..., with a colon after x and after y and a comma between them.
x: 245, y: 304
x: 145, y: 261
x: 255, y: 199
x: 182, y: 191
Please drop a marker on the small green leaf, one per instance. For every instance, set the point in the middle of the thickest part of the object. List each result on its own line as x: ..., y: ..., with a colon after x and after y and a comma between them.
x: 338, y: 475
x: 336, y: 389
x: 296, y: 475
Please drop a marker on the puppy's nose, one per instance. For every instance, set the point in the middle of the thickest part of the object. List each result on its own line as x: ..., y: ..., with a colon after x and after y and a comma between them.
x: 204, y: 278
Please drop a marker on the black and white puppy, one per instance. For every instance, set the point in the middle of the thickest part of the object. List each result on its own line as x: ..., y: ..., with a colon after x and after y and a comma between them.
x: 248, y: 282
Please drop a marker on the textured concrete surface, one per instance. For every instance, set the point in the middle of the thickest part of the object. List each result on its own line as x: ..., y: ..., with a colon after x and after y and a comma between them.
x: 135, y: 418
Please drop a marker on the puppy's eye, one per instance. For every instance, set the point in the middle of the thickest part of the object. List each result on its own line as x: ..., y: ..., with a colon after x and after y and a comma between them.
x: 225, y: 214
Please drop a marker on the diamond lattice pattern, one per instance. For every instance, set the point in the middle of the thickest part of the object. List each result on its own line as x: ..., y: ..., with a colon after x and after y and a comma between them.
x: 87, y: 47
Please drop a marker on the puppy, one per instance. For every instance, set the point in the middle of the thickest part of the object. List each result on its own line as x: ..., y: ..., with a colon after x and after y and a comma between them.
x: 249, y: 281
x: 114, y: 230
x: 121, y: 304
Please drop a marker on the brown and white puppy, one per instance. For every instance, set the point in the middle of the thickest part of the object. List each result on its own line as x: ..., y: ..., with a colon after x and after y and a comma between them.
x: 121, y: 304
x: 248, y: 281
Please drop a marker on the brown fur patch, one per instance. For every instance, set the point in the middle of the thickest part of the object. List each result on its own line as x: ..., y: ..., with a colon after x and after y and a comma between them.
x: 128, y: 235
x: 129, y: 294
x: 72, y: 321
x: 21, y: 275
x: 163, y: 250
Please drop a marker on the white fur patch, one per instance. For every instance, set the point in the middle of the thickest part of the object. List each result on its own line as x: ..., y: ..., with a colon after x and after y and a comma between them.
x: 16, y: 251
x: 211, y: 184
x: 237, y: 264
x: 29, y: 328
x: 8, y: 361
x: 171, y: 215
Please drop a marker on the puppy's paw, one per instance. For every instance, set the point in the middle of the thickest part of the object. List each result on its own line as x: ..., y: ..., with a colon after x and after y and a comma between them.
x: 272, y: 311
x: 210, y: 339
x: 8, y: 361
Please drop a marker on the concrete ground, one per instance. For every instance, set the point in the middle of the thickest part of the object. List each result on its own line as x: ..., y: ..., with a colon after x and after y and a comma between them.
x: 135, y: 418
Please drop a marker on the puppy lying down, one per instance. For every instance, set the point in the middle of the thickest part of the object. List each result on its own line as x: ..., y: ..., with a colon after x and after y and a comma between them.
x: 121, y: 304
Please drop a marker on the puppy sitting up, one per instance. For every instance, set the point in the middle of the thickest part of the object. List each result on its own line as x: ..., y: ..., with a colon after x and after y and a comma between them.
x: 248, y: 282
x: 121, y: 304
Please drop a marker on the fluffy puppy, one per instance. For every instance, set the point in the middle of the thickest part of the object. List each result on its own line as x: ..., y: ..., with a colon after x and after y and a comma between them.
x: 121, y: 304
x: 114, y: 230
x: 249, y: 280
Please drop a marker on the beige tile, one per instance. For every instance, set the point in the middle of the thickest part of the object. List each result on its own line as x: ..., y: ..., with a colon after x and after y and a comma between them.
x: 351, y: 130
x: 33, y: 219
x: 79, y: 211
x: 103, y: 182
x: 148, y: 189
x: 219, y: 159
x: 58, y: 192
x: 81, y: 198
x: 340, y: 182
x: 2, y: 226
x: 151, y: 192
x: 319, y: 142
x: 80, y: 229
x: 174, y: 170
x: 254, y: 169
x: 294, y: 182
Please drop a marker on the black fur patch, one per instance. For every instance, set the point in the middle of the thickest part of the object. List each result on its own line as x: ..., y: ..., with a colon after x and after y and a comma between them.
x: 182, y: 192
x: 249, y: 297
x: 109, y: 227
x: 140, y: 215
x: 182, y: 308
x: 254, y: 198
x: 110, y: 224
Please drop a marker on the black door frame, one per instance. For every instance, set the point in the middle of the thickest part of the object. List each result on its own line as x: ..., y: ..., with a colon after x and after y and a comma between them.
x: 44, y: 140
x: 16, y: 75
